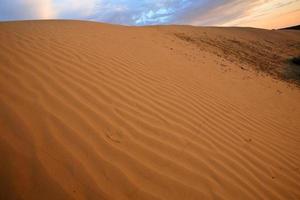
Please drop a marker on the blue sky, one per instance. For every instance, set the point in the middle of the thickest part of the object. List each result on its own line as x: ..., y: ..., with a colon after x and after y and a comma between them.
x: 257, y: 13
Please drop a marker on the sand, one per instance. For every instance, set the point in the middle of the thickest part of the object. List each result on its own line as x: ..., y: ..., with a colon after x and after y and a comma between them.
x: 97, y: 111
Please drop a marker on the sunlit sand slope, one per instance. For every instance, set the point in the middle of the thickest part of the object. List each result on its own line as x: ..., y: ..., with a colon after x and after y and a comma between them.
x: 96, y: 111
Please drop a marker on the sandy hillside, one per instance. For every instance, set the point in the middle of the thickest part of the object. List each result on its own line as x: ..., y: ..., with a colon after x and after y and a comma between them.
x: 95, y: 111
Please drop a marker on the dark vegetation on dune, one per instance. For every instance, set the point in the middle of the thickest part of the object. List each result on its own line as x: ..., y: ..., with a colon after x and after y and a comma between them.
x: 296, y: 60
x: 261, y: 53
x: 292, y: 71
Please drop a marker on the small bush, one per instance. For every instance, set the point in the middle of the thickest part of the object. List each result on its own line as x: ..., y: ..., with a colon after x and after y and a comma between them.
x: 292, y: 70
x: 296, y: 60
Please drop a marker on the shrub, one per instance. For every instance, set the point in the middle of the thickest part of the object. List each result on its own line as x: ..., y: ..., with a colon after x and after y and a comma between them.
x: 296, y: 60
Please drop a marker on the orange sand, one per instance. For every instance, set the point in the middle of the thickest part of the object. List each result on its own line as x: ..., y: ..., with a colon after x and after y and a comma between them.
x: 96, y: 111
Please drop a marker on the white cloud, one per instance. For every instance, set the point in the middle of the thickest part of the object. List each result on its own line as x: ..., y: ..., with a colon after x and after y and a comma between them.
x: 75, y: 8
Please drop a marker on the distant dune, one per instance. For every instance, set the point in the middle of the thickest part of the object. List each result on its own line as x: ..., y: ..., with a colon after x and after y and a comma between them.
x: 293, y: 27
x: 97, y: 111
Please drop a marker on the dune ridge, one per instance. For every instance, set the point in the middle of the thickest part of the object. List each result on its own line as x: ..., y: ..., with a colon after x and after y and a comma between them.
x: 97, y: 111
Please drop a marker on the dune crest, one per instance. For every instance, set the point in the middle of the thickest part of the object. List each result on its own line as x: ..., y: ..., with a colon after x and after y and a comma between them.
x: 97, y: 111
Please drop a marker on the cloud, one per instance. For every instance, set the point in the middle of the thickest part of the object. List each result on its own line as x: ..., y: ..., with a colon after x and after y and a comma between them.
x: 137, y: 12
x: 264, y: 14
x: 46, y: 9
x: 220, y: 12
x: 26, y: 9
x: 257, y: 13
x: 150, y: 12
x: 75, y: 9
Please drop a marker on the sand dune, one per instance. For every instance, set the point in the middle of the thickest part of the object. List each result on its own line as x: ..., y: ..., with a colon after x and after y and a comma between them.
x: 96, y: 111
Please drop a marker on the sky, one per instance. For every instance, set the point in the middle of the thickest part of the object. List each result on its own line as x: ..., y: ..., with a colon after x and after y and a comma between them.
x: 252, y: 13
